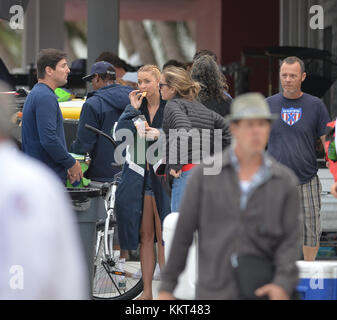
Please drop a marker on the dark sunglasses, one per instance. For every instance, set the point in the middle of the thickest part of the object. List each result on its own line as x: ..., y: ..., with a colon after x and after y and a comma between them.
x: 162, y: 85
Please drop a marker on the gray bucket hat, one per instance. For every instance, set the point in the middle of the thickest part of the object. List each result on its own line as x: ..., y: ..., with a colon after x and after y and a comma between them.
x: 250, y: 106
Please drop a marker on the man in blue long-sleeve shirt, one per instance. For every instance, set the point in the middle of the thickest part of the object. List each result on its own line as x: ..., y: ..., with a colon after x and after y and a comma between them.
x: 42, y: 122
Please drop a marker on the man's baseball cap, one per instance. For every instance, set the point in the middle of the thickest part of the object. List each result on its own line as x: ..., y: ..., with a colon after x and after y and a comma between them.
x: 250, y: 106
x: 100, y: 67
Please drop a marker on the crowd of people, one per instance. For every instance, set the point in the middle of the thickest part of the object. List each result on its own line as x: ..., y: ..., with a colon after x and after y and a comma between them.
x: 241, y: 172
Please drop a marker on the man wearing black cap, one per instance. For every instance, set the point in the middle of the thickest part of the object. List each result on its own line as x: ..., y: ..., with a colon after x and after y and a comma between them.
x: 101, y: 110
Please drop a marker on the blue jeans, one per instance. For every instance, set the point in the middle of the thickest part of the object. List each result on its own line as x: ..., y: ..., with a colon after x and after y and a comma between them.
x: 178, y: 188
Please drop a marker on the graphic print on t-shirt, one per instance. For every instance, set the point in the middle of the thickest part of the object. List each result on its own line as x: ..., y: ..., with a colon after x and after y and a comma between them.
x: 291, y: 115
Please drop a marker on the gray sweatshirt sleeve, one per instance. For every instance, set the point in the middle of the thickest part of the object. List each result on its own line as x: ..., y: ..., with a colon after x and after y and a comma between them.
x: 289, y: 249
x: 186, y: 226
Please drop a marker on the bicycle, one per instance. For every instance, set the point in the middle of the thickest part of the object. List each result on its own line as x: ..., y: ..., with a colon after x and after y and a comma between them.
x: 113, y: 278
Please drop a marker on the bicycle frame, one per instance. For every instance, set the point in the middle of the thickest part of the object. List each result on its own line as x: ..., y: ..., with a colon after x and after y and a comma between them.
x: 109, y: 260
x: 109, y: 207
x: 106, y: 256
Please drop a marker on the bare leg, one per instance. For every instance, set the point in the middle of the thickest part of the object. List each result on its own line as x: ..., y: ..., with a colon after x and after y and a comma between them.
x: 147, y: 256
x: 161, y: 256
x: 310, y: 253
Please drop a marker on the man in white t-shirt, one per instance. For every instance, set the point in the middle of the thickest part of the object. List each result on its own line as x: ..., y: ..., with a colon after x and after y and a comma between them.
x: 41, y: 256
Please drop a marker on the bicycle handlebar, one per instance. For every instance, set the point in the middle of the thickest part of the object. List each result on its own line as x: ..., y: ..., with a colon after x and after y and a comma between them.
x: 93, y: 129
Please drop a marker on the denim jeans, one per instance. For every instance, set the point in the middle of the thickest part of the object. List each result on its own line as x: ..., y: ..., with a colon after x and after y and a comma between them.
x: 178, y: 188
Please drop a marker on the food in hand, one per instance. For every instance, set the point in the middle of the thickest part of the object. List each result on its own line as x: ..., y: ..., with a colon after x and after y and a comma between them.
x: 144, y: 94
x: 141, y: 124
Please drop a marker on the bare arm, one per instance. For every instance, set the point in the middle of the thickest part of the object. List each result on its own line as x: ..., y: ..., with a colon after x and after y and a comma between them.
x: 325, y: 151
x: 323, y: 142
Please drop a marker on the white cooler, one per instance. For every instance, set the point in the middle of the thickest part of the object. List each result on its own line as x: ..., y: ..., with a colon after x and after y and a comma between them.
x: 185, y: 288
x: 318, y: 280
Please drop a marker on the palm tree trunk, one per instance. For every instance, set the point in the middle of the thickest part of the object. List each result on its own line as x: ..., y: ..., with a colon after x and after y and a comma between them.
x: 167, y: 32
x: 126, y: 37
x: 141, y: 42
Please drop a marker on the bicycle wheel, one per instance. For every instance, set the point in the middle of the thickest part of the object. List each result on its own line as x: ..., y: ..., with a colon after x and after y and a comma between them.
x: 108, y: 282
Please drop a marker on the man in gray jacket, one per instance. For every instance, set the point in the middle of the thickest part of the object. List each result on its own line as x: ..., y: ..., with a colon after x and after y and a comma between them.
x: 251, y: 209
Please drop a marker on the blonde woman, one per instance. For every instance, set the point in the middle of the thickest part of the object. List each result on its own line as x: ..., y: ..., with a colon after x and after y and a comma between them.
x: 183, y: 111
x: 141, y: 201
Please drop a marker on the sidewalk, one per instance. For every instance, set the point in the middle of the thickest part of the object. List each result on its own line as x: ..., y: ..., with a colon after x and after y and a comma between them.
x: 155, y: 287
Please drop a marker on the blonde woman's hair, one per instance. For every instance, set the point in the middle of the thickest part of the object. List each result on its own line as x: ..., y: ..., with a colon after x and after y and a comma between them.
x: 181, y: 81
x: 150, y: 68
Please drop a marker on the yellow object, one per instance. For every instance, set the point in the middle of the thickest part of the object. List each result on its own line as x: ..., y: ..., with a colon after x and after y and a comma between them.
x: 71, y: 113
x: 71, y: 109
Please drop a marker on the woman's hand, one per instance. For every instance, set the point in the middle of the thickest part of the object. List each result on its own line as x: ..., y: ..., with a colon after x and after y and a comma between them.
x: 175, y: 174
x: 136, y: 98
x: 152, y: 133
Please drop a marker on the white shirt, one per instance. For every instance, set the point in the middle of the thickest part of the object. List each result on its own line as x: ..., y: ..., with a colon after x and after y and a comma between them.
x: 40, y: 253
x: 244, y: 186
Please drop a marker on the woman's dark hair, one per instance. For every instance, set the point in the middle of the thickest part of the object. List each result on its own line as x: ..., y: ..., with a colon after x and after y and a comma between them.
x: 206, y: 71
x: 205, y: 52
x: 115, y: 61
x: 48, y: 58
x: 174, y: 63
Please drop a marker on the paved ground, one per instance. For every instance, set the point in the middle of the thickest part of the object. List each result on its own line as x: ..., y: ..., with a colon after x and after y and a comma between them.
x: 155, y: 287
